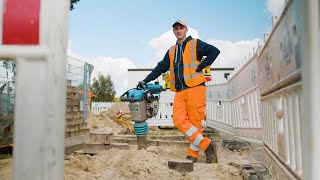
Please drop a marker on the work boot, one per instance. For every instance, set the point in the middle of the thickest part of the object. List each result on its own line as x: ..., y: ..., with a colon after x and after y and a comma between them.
x: 211, y: 153
x: 194, y: 160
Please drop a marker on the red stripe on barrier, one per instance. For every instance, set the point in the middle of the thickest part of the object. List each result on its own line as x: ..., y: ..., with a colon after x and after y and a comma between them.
x: 21, y: 22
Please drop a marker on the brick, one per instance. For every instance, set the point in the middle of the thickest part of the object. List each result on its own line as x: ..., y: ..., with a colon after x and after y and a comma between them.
x: 122, y: 146
x: 93, y: 148
x: 76, y: 108
x: 84, y: 131
x: 181, y: 165
x: 69, y: 95
x: 73, y: 133
x: 102, y: 138
x: 83, y: 126
x: 66, y: 134
x: 80, y: 139
x: 72, y: 128
x: 76, y: 96
x: 74, y: 114
x: 71, y: 149
x: 74, y: 121
x: 73, y: 102
x: 71, y: 89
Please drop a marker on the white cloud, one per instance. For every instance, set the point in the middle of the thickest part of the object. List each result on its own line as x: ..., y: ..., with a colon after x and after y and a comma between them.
x: 116, y: 67
x: 232, y: 53
x: 161, y: 44
x: 275, y: 7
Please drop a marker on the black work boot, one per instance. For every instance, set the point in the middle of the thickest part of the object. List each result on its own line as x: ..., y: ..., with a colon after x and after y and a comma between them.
x: 211, y: 153
x: 194, y: 160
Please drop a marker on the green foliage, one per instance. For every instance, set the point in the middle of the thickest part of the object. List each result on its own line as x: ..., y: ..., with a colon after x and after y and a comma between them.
x: 103, y: 89
x: 72, y: 4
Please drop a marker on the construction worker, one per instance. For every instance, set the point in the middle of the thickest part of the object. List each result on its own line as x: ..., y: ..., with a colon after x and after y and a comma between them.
x: 184, y: 60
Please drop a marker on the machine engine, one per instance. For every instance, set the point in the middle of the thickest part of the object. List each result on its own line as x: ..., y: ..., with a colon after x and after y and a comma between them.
x: 144, y: 102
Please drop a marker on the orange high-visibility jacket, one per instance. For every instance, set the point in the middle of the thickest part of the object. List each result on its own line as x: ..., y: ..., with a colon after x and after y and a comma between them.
x: 190, y: 64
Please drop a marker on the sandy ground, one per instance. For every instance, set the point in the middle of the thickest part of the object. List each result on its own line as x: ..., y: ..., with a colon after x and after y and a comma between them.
x: 139, y: 164
x: 143, y: 164
x: 148, y: 164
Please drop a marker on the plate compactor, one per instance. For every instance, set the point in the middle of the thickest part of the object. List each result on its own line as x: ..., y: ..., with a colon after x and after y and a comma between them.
x: 143, y: 104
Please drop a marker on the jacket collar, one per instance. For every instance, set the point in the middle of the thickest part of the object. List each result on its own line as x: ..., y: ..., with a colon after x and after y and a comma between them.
x: 185, y: 41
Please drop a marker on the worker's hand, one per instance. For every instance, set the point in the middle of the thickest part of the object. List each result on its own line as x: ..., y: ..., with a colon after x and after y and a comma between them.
x: 140, y: 84
x: 198, y: 70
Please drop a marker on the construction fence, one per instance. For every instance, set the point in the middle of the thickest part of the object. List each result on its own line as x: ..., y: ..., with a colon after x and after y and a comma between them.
x: 8, y: 71
x: 78, y: 72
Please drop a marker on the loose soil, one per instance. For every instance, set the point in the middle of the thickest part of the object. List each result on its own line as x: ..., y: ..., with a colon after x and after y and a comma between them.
x: 151, y: 163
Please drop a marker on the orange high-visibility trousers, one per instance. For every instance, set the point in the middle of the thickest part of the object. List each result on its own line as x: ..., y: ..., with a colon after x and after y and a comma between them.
x: 188, y: 111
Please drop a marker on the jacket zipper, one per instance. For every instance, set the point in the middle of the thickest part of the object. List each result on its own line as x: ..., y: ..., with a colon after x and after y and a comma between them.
x: 179, y: 65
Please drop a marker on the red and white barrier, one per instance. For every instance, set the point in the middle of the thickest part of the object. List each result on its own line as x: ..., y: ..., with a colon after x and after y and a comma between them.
x: 34, y: 34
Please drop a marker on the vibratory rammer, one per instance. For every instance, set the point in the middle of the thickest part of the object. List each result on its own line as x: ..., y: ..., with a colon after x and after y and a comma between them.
x: 143, y: 104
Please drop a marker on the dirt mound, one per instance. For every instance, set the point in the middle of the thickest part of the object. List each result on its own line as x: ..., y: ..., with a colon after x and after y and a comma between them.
x: 119, y: 109
x: 141, y: 164
x: 116, y: 120
x: 103, y: 123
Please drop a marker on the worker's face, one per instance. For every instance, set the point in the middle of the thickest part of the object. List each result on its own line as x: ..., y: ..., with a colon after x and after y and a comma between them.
x: 180, y: 31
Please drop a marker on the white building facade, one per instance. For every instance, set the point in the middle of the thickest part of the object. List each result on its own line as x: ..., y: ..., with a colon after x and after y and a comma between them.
x: 136, y: 75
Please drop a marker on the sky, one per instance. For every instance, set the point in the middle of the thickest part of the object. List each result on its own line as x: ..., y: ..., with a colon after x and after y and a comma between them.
x: 116, y: 35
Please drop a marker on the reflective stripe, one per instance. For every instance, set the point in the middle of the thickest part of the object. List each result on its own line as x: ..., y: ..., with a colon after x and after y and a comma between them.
x: 193, y: 75
x: 194, y: 147
x: 193, y: 63
x: 192, y: 54
x: 188, y: 66
x: 172, y: 82
x: 171, y: 71
x: 198, y: 140
x: 192, y: 130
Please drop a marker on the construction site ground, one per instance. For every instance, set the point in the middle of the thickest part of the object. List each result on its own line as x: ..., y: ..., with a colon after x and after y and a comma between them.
x: 151, y: 163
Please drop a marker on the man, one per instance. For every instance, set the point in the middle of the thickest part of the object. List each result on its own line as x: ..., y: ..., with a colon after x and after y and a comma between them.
x: 186, y: 79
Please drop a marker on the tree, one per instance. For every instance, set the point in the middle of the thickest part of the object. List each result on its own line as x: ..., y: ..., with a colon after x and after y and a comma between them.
x: 103, y: 88
x: 72, y: 3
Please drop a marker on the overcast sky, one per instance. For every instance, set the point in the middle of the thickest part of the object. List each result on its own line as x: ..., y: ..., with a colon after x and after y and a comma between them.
x: 122, y: 34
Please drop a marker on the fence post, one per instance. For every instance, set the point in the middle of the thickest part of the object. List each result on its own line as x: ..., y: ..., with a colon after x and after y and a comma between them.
x: 41, y: 83
x: 85, y: 91
x: 310, y: 13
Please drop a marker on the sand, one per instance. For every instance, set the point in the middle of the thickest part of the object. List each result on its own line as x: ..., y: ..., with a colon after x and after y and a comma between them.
x: 116, y: 120
x: 6, y: 168
x: 148, y: 164
x: 144, y: 164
